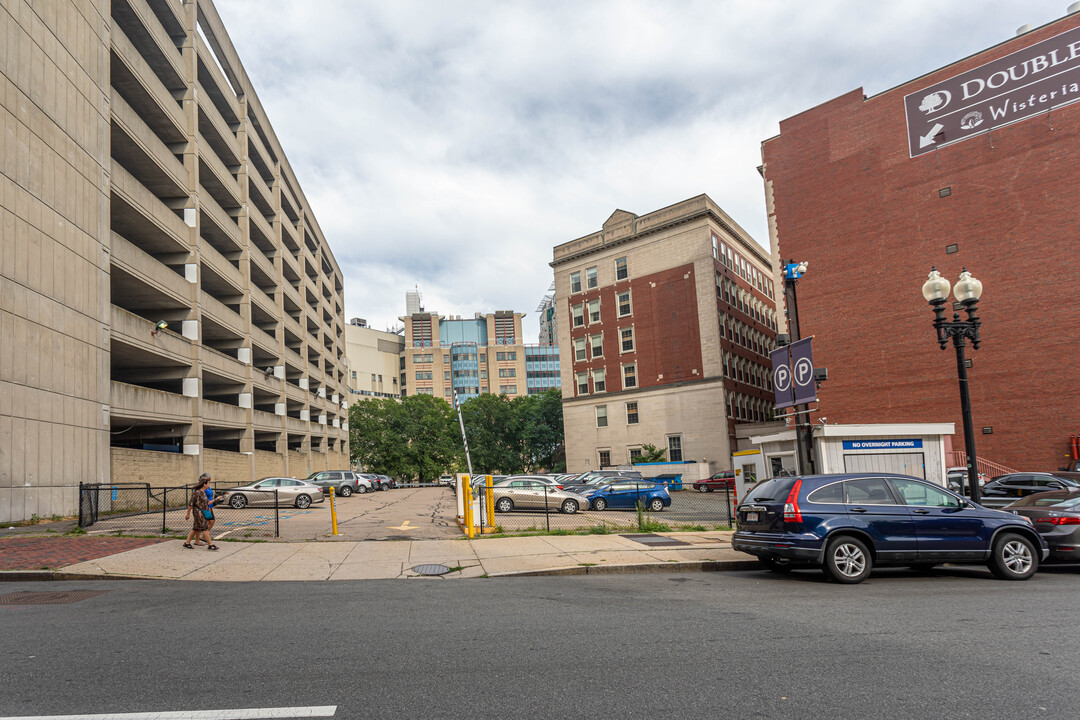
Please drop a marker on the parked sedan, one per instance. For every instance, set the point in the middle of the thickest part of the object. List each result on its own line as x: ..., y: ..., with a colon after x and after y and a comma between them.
x: 290, y: 491
x: 627, y: 494
x: 1056, y: 515
x: 1017, y: 485
x: 721, y: 481
x: 532, y: 493
x: 344, y: 482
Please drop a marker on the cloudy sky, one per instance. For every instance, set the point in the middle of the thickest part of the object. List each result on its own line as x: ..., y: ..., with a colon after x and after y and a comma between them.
x: 451, y: 145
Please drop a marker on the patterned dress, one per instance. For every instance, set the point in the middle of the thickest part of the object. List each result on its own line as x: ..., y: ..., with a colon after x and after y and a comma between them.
x: 198, y: 504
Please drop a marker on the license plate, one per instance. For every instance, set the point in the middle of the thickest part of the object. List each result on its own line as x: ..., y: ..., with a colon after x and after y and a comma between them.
x: 751, y: 517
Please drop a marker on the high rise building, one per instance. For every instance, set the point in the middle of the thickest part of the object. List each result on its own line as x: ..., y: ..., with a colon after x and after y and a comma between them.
x: 169, y: 303
x: 549, y: 325
x: 666, y: 324
x: 968, y: 166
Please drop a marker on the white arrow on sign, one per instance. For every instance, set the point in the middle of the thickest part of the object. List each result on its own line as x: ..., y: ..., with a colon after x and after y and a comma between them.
x: 928, y: 138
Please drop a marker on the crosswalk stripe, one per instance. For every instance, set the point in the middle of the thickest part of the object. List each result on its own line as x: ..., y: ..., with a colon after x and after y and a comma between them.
x: 241, y: 714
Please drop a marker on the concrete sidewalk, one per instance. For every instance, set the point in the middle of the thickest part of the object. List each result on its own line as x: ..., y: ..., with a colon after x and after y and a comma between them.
x: 482, y: 557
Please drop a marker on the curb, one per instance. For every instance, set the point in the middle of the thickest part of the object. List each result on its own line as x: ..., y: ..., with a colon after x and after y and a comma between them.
x: 641, y: 569
x: 40, y: 575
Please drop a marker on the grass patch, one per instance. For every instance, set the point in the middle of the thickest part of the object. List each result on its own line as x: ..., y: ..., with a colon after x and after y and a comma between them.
x: 588, y: 564
x: 598, y: 530
x: 693, y: 528
x: 76, y: 531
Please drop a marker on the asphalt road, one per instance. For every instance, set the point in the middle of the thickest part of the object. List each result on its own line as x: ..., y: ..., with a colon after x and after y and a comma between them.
x: 956, y: 644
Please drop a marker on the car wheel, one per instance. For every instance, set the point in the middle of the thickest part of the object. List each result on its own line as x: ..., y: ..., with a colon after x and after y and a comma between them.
x: 303, y: 501
x: 703, y: 488
x: 569, y: 507
x: 847, y: 560
x: 599, y: 504
x: 238, y: 501
x: 777, y: 565
x: 656, y: 504
x: 361, y: 489
x: 1013, y: 558
x: 345, y: 491
x: 504, y: 505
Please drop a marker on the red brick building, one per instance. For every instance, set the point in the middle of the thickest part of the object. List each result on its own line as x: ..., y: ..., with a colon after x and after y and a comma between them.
x: 977, y: 168
x: 666, y: 321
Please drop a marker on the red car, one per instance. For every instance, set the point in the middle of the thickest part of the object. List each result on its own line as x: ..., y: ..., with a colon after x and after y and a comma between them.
x: 719, y: 481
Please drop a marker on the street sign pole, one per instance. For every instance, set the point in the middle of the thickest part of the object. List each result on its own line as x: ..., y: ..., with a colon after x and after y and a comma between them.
x: 803, y: 428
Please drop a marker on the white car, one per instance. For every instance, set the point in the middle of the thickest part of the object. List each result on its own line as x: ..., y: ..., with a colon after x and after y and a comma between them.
x: 447, y: 480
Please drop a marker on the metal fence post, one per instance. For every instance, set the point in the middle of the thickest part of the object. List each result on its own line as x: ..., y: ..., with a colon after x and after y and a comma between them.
x: 547, y: 513
x: 164, y: 507
x: 80, y: 504
x: 277, y: 514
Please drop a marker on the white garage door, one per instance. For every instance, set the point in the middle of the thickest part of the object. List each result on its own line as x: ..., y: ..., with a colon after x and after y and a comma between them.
x: 900, y: 463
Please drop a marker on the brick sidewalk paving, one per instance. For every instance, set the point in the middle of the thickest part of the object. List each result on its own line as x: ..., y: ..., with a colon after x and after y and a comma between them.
x: 36, y: 553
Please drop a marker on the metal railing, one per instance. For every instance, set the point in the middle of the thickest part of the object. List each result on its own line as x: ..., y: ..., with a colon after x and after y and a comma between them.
x: 958, y: 458
x: 625, y: 508
x: 138, y: 508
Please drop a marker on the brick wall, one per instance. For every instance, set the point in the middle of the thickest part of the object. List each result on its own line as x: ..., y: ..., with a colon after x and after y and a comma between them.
x: 870, y: 221
x: 227, y: 466
x: 299, y: 465
x: 159, y: 469
x: 269, y: 463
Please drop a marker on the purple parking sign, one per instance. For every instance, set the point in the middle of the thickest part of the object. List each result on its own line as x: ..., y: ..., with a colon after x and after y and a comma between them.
x: 781, y: 368
x: 802, y: 372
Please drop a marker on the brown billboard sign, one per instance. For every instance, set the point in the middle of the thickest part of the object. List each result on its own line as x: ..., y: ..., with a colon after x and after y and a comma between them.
x: 1020, y: 85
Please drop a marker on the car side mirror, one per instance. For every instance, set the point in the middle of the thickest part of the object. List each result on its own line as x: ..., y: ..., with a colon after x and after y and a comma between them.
x: 1056, y: 486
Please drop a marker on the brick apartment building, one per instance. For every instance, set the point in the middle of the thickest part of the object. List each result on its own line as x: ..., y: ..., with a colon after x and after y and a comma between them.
x: 665, y: 322
x: 873, y: 191
x: 143, y: 185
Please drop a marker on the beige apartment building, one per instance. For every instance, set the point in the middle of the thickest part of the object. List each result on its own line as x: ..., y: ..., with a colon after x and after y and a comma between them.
x: 375, y: 360
x: 481, y: 354
x: 666, y: 322
x: 168, y: 303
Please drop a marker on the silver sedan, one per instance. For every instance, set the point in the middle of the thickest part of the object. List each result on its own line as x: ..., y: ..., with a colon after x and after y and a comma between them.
x: 289, y: 491
x: 535, y: 494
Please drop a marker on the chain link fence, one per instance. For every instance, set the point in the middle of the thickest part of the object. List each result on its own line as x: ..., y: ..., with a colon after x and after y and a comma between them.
x: 140, y: 509
x: 630, y: 506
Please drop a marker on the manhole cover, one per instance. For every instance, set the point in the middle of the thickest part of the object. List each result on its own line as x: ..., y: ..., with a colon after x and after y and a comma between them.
x: 431, y: 569
x: 59, y: 597
x: 655, y: 540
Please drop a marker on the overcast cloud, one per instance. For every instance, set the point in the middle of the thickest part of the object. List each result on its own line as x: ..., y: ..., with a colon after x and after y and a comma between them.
x: 452, y: 145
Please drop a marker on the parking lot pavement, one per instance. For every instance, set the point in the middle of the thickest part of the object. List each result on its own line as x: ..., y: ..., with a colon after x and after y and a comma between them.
x: 401, y: 514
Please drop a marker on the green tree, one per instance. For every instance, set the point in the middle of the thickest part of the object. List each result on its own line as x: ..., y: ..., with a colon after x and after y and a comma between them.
x: 492, y: 429
x: 650, y: 454
x: 415, y: 437
x: 542, y: 438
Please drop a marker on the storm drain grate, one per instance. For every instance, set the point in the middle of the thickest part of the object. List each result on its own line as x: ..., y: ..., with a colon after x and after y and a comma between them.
x: 655, y: 540
x: 59, y: 597
x: 431, y: 569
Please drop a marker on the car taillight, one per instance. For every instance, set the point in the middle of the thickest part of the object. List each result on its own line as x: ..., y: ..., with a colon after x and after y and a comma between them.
x: 791, y: 507
x: 558, y: 487
x: 1060, y: 520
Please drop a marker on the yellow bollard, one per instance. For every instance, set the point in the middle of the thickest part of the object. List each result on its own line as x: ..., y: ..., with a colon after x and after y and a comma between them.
x: 333, y: 510
x: 488, y: 485
x: 469, y: 530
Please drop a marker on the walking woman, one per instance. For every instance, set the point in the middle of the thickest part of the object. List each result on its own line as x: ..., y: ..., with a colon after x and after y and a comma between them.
x: 202, y: 515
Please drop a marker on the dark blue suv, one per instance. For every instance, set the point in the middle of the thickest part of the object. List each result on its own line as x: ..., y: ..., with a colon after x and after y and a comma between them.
x: 846, y: 524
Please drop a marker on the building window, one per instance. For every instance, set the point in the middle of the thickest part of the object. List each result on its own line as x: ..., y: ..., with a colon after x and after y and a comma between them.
x: 599, y: 380
x: 627, y: 337
x: 483, y: 357
x: 575, y: 282
x: 507, y: 372
x: 578, y: 314
x: 579, y: 349
x: 597, y: 343
x: 594, y: 311
x: 582, y: 383
x: 623, y: 299
x: 605, y: 458
x: 590, y: 277
x: 629, y: 376
x: 621, y: 271
x: 353, y: 374
x: 446, y: 375
x: 634, y: 453
x: 674, y: 446
x: 631, y: 413
x: 601, y: 416
x: 483, y: 374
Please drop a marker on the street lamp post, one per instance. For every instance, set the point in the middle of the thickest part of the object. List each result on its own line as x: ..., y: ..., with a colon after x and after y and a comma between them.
x: 968, y: 290
x: 804, y: 433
